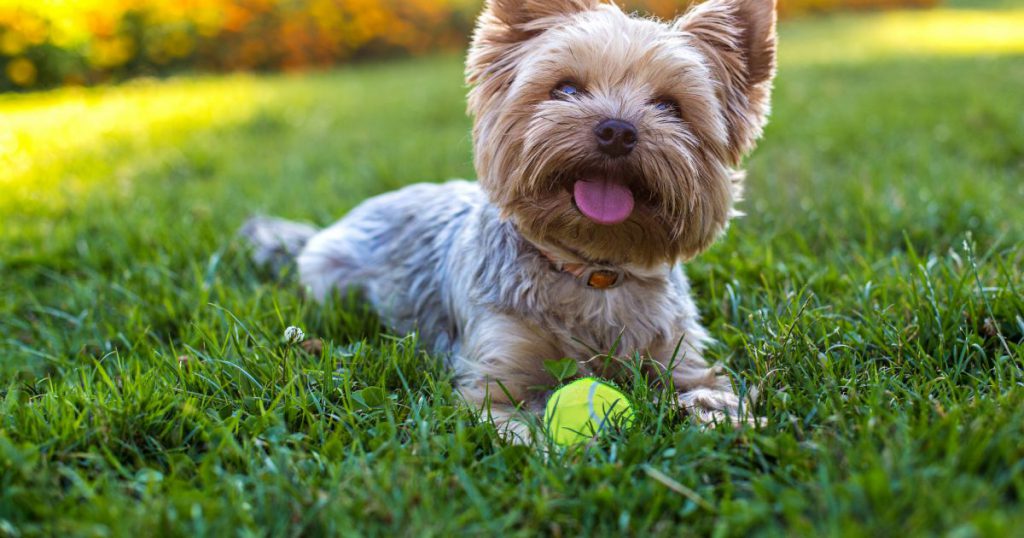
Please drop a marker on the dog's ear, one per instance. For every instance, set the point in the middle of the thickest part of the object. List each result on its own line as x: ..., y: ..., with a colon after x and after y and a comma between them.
x: 738, y: 39
x: 505, y: 24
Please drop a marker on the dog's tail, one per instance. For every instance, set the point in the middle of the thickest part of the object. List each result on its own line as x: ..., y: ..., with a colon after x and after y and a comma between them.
x: 275, y: 243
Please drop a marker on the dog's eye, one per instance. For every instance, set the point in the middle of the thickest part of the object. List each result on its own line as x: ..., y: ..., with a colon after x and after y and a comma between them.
x: 667, y: 106
x: 565, y: 89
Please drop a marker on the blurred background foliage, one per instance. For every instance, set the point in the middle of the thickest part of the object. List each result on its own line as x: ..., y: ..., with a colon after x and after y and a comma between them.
x: 47, y: 43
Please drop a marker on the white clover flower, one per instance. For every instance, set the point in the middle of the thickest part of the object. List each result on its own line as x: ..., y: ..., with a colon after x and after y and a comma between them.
x: 294, y: 335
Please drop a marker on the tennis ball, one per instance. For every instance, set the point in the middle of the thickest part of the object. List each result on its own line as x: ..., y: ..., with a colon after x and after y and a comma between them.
x: 585, y: 408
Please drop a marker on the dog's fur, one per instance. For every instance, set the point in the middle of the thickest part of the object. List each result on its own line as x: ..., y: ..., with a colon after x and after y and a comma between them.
x: 475, y: 267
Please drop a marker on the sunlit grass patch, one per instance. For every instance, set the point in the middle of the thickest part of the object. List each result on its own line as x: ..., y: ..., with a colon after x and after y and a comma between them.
x: 895, y: 34
x: 49, y: 141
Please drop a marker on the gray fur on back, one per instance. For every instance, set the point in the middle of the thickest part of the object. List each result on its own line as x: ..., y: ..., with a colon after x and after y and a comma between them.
x: 434, y: 258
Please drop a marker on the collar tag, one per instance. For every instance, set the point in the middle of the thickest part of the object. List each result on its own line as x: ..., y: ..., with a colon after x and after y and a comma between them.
x: 597, y: 277
x: 603, y: 279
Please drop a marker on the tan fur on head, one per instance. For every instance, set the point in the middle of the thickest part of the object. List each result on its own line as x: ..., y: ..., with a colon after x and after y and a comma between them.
x: 521, y: 12
x: 716, y: 63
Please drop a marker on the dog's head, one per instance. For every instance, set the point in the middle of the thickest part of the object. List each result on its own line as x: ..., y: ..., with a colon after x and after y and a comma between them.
x: 613, y: 136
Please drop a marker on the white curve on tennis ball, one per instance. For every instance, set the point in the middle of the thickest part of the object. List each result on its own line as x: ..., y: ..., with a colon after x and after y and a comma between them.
x: 601, y: 421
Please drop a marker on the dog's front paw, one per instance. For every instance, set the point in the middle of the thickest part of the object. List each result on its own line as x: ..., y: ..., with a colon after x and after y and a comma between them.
x: 711, y: 407
x: 514, y: 432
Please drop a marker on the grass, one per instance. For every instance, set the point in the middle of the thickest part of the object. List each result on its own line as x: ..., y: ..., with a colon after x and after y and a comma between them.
x: 873, y: 293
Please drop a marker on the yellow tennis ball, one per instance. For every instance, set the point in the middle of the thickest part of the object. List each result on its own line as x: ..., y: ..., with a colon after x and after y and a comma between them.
x: 585, y: 408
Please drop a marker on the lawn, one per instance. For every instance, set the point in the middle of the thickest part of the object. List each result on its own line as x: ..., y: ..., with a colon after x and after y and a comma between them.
x: 872, y: 294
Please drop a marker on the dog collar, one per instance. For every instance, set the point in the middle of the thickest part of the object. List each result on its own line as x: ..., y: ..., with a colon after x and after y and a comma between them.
x: 599, y: 277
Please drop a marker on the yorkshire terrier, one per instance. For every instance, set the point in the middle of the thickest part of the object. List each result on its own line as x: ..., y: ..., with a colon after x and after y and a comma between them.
x: 607, y: 148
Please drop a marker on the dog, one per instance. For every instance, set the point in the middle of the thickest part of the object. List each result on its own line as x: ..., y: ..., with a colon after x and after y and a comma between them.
x: 608, y: 151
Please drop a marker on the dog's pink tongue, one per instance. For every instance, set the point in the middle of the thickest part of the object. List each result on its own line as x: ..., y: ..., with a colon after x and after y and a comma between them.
x: 603, y: 201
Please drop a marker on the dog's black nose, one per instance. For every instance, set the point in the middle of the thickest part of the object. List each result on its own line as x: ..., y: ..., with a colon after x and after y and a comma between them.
x: 615, y: 138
